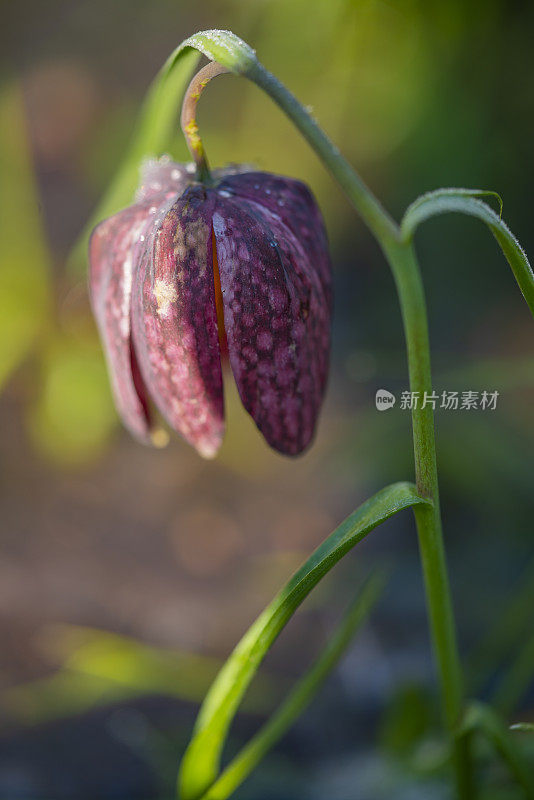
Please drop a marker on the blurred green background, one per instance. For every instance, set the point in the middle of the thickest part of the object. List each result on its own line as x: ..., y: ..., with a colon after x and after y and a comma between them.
x: 126, y: 574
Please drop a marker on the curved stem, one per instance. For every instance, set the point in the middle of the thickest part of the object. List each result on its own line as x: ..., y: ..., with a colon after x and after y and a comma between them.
x: 188, y: 120
x: 368, y: 206
x: 401, y: 258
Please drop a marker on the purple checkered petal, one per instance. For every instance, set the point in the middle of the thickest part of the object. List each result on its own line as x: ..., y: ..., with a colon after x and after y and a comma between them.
x: 175, y: 322
x: 292, y: 202
x: 276, y: 299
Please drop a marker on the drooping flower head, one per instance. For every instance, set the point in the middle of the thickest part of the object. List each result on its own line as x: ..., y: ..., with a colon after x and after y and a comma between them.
x: 192, y: 273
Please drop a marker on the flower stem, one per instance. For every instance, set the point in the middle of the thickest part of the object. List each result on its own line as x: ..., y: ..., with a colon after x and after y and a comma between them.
x: 406, y: 272
x: 188, y: 118
x: 367, y: 205
x: 402, y: 260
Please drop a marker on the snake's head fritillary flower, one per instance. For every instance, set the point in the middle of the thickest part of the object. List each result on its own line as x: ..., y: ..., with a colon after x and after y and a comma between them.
x: 192, y: 275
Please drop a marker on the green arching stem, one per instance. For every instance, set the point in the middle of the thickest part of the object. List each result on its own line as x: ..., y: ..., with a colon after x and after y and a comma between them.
x: 374, y: 215
x: 188, y: 120
x: 412, y: 300
x: 402, y: 260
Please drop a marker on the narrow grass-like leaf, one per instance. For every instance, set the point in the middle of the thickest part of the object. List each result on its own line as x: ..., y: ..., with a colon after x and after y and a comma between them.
x: 25, y: 259
x: 200, y: 765
x: 302, y: 694
x: 483, y: 719
x: 506, y: 635
x: 467, y: 201
x: 99, y: 668
x: 72, y: 415
x: 151, y: 138
x: 517, y: 679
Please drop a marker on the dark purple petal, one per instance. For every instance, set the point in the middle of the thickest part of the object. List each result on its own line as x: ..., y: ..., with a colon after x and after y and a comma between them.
x: 294, y: 204
x: 277, y: 318
x: 113, y: 252
x: 175, y: 322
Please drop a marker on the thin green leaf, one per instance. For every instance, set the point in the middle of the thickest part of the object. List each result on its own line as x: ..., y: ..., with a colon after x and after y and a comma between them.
x: 25, y: 259
x: 517, y: 679
x: 150, y: 669
x: 482, y: 718
x: 72, y: 416
x: 100, y: 668
x: 302, y: 694
x: 466, y: 201
x: 152, y: 137
x: 513, y: 623
x: 200, y: 765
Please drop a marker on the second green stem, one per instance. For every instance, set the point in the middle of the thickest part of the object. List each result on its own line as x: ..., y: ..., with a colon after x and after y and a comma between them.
x: 406, y: 272
x: 402, y: 260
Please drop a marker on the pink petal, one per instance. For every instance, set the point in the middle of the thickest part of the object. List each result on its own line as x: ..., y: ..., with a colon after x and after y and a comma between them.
x: 175, y: 322
x: 113, y: 252
x: 163, y: 175
x: 277, y: 318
